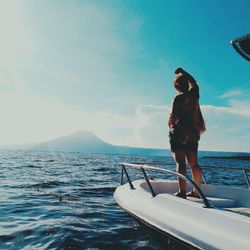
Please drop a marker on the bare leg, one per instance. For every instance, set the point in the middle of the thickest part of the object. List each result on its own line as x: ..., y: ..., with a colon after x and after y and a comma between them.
x: 179, y: 157
x: 194, y: 166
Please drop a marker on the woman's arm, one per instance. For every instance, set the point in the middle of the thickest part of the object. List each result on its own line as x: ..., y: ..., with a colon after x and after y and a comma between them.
x: 193, y: 86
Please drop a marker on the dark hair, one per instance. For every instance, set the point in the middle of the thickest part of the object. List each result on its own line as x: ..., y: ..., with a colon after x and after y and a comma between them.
x: 181, y: 83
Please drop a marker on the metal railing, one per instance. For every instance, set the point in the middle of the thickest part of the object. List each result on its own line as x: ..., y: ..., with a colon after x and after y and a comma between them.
x: 204, y: 167
x: 144, y: 167
x: 150, y: 166
x: 244, y: 170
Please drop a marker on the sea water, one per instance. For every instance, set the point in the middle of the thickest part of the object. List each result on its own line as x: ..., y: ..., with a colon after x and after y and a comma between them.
x: 57, y: 200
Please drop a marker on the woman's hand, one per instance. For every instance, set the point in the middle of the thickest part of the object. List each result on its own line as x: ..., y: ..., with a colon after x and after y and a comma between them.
x: 183, y: 72
x: 179, y: 70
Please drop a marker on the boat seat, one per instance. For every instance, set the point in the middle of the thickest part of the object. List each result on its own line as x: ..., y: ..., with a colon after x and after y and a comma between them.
x: 216, y: 202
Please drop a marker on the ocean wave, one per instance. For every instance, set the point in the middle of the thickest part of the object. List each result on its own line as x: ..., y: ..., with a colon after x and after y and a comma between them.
x: 78, y: 164
x: 71, y: 207
x: 45, y: 184
x: 99, y: 190
x: 102, y: 169
x: 30, y: 166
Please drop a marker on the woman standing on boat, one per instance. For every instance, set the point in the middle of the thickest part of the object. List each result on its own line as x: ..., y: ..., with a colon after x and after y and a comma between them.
x: 186, y: 125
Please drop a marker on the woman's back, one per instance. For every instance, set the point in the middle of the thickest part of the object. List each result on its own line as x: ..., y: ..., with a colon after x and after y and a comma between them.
x: 186, y: 111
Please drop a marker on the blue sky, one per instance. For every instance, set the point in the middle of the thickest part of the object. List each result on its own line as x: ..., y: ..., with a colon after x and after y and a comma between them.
x: 107, y: 66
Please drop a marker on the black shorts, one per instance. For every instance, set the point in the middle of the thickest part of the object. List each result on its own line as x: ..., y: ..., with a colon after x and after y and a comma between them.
x: 192, y: 146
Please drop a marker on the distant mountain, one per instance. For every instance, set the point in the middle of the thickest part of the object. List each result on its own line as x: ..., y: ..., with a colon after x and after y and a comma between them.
x: 87, y: 142
x: 78, y: 142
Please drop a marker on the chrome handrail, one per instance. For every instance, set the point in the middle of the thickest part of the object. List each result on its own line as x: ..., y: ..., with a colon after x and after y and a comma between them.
x: 202, y: 166
x: 245, y: 170
x: 143, y: 169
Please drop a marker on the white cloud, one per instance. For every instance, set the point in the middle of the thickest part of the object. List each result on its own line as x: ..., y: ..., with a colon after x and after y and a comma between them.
x: 150, y: 109
x: 232, y: 93
x: 238, y: 101
x: 228, y: 127
x: 26, y: 118
x: 14, y: 36
x: 242, y: 92
x: 240, y: 107
x: 73, y: 53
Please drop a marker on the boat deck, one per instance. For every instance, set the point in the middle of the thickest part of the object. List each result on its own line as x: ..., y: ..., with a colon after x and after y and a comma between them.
x: 226, y: 204
x: 216, y: 202
x: 225, y: 198
x: 240, y: 210
x: 211, y: 222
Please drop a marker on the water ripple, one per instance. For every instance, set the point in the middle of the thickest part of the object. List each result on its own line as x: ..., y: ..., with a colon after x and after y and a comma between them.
x: 53, y: 200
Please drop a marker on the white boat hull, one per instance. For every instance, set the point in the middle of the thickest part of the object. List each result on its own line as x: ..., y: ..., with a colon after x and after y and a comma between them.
x: 188, y: 220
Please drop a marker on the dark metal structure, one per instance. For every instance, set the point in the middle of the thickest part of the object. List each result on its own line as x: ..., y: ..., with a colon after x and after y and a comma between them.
x: 242, y: 46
